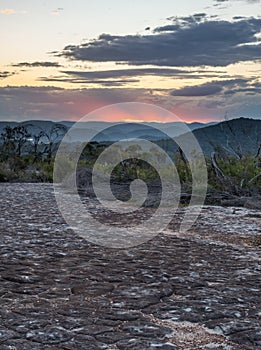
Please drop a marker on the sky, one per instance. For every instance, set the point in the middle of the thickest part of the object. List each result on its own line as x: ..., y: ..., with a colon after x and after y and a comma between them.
x: 62, y: 59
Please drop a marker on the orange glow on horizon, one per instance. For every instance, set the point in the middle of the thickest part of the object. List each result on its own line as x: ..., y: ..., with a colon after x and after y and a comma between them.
x: 116, y: 114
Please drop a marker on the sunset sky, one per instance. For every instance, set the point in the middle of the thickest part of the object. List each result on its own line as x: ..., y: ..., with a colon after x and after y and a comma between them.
x: 62, y: 59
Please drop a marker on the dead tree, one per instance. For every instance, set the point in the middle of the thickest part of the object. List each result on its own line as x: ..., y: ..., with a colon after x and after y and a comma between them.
x: 224, y: 180
x: 258, y: 151
x: 218, y: 172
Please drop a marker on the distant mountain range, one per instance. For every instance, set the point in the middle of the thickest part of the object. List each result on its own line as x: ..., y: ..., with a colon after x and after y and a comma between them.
x: 112, y: 132
x: 235, y: 137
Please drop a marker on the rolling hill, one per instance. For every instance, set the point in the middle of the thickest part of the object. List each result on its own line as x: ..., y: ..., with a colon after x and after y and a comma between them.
x: 235, y: 137
x: 111, y: 132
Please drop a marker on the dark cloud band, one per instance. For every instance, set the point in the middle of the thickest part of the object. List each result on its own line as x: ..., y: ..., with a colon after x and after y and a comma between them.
x: 215, y: 87
x: 190, y: 41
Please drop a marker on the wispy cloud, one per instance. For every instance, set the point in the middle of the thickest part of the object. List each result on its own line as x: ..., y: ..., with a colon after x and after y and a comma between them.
x: 117, y: 77
x: 5, y: 74
x: 57, y: 11
x: 215, y: 87
x: 248, y: 1
x: 36, y: 64
x: 104, y: 82
x: 8, y: 11
x: 116, y: 73
x: 223, y: 4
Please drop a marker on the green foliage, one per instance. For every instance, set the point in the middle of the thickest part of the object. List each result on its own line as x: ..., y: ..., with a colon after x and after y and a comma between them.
x: 242, y: 176
x: 14, y: 139
x: 63, y: 165
x: 132, y: 168
x: 24, y: 160
x: 26, y: 157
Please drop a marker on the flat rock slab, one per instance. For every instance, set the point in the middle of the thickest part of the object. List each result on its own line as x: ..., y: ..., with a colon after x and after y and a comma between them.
x: 58, y: 291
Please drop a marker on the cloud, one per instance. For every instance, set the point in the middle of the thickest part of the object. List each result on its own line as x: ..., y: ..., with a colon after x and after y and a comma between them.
x: 36, y: 64
x: 223, y: 4
x: 116, y: 73
x: 201, y: 90
x: 5, y: 74
x: 24, y: 103
x: 57, y: 11
x: 182, y: 21
x: 12, y: 12
x: 108, y: 82
x: 7, y: 11
x: 248, y: 1
x: 124, y: 76
x: 191, y: 41
x: 229, y: 86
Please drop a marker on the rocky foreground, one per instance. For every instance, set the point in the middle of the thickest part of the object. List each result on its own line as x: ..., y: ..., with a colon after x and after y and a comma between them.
x: 58, y: 291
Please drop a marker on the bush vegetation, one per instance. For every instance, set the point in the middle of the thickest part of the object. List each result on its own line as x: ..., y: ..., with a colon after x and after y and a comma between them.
x: 24, y: 157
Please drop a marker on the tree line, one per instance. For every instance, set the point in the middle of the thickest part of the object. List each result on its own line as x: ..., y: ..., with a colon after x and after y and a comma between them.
x: 27, y: 151
x: 27, y: 154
